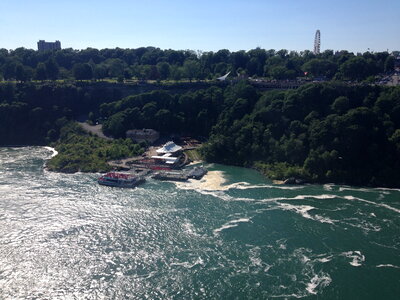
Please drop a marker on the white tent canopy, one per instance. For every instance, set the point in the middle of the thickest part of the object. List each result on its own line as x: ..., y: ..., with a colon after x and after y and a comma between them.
x: 222, y: 78
x: 169, y: 147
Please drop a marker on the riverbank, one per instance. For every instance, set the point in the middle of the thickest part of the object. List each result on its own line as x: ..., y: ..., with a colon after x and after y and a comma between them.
x: 81, y: 152
x: 84, y: 148
x: 326, y: 132
x: 67, y: 160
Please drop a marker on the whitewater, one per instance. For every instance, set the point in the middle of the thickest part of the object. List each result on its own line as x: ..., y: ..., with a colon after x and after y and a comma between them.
x: 232, y: 235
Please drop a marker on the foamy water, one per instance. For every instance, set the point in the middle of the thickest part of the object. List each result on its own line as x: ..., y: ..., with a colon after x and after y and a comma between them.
x: 55, y: 152
x: 231, y: 235
x: 212, y: 181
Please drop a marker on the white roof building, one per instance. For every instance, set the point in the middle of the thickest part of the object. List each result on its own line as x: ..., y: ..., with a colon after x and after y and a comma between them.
x: 167, y: 158
x: 169, y: 147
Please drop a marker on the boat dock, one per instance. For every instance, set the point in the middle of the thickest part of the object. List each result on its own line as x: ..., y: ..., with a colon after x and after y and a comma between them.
x: 164, y: 163
x: 173, y: 176
x: 195, y: 173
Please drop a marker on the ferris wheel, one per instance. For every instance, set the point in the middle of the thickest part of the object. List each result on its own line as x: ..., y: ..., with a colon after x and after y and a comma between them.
x: 317, y: 42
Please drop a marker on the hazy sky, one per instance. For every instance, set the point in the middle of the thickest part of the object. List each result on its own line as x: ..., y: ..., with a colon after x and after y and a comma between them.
x: 205, y: 25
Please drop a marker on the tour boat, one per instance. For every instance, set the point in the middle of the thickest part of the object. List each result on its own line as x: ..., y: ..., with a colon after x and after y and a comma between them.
x: 120, y: 180
x: 197, y: 173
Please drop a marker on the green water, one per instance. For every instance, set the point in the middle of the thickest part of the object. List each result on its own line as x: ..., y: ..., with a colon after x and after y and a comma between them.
x: 233, y: 235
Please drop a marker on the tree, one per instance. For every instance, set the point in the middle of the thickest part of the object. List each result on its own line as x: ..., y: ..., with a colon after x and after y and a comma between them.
x: 191, y: 69
x: 176, y: 72
x: 279, y: 72
x: 254, y: 67
x: 341, y: 104
x: 358, y: 68
x: 82, y: 71
x: 222, y: 56
x: 41, y: 72
x: 20, y: 73
x: 320, y: 67
x: 239, y: 59
x: 221, y: 68
x: 116, y: 67
x: 100, y: 71
x: 115, y: 125
x: 163, y: 120
x: 9, y: 69
x: 389, y: 63
x: 257, y: 60
x: 23, y: 73
x: 153, y: 73
x: 52, y: 69
x: 149, y: 110
x: 164, y: 70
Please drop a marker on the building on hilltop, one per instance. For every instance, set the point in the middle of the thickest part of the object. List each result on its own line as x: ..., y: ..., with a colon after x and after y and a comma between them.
x: 46, y: 46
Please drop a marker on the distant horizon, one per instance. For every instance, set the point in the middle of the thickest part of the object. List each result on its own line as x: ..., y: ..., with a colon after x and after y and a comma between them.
x: 355, y: 26
x: 204, y: 51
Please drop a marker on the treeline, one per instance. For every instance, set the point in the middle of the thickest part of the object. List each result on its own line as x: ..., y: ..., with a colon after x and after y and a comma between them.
x: 319, y: 132
x: 33, y: 114
x: 155, y: 64
x: 193, y: 112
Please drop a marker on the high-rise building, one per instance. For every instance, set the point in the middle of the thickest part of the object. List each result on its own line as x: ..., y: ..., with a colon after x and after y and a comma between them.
x: 317, y: 42
x: 45, y: 46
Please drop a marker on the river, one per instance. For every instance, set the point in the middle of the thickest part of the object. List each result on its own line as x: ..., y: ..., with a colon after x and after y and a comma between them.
x: 232, y: 235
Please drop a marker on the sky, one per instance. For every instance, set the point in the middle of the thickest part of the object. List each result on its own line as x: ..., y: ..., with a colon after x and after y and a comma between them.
x: 353, y: 25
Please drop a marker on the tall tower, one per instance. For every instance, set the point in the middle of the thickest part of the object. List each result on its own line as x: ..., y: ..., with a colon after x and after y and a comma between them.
x: 317, y: 42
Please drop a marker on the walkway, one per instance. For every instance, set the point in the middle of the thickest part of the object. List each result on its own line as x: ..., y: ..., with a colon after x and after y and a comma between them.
x: 94, y: 129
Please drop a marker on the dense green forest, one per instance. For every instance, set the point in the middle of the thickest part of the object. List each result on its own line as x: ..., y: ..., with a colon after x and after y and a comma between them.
x: 79, y: 151
x: 34, y: 113
x: 150, y: 63
x: 192, y: 113
x: 320, y: 132
x: 326, y: 132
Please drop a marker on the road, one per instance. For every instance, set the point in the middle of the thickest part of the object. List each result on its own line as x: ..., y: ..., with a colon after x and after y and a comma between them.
x: 95, y: 129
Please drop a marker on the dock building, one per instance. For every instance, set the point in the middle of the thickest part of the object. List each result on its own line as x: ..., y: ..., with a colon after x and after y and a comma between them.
x: 168, y: 154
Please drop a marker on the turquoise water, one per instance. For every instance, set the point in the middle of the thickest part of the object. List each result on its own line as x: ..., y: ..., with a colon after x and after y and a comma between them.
x: 234, y: 235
